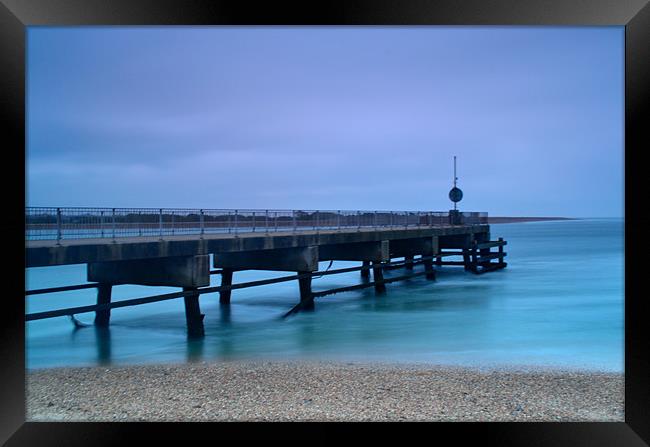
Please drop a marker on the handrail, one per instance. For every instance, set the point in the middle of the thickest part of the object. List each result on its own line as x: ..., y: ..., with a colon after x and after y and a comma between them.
x: 57, y: 223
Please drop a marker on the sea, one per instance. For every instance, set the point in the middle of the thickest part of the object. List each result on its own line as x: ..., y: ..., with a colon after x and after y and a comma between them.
x: 558, y: 304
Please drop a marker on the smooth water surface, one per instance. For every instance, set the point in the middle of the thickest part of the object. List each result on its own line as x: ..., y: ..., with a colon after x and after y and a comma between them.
x: 559, y: 302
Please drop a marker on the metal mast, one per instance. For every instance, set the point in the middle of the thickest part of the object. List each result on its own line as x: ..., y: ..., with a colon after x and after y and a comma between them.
x: 455, y: 178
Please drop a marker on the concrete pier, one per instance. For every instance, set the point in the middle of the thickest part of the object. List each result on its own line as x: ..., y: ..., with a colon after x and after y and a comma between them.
x: 183, y: 261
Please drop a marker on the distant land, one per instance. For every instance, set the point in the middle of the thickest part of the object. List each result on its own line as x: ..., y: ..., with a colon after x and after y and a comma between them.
x: 497, y: 220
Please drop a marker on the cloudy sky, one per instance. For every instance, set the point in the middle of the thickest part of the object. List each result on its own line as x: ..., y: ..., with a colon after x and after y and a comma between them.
x: 327, y: 118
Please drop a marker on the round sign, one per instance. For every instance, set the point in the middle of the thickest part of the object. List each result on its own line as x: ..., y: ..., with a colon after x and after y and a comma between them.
x: 455, y: 195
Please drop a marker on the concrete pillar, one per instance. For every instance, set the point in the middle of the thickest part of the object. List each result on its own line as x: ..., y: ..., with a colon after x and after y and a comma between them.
x: 365, y: 273
x: 466, y: 258
x: 226, y: 280
x: 102, y: 317
x: 193, y: 315
x: 467, y: 250
x: 378, y: 275
x: 428, y: 267
x: 409, y: 262
x: 306, y: 298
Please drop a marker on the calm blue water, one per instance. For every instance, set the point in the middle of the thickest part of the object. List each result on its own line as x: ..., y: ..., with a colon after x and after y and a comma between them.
x: 558, y: 303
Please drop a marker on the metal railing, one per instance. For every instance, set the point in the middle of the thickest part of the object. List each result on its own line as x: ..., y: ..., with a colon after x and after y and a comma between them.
x: 48, y: 223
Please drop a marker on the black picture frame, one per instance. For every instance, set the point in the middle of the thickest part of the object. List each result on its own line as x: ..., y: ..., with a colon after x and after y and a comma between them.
x: 16, y: 15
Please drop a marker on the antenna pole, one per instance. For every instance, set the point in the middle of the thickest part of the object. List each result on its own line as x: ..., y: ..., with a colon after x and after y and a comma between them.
x: 455, y: 178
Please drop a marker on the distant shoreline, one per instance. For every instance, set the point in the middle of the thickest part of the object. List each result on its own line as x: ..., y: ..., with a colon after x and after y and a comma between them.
x: 321, y: 391
x: 498, y: 220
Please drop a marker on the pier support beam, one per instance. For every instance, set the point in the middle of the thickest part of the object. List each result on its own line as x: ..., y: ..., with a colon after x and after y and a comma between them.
x: 226, y: 280
x: 361, y: 251
x: 365, y: 273
x: 102, y: 317
x: 193, y: 315
x: 298, y: 259
x: 378, y: 276
x: 409, y: 262
x: 306, y: 297
x: 175, y: 271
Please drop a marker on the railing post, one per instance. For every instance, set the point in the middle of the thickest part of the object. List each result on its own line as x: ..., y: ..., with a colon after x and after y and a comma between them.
x: 276, y: 221
x: 358, y: 220
x: 236, y: 221
x: 160, y: 222
x: 317, y: 221
x: 229, y: 223
x: 113, y: 223
x: 58, y: 226
x: 293, y: 216
x: 374, y: 218
x: 266, y: 222
x: 101, y: 222
x: 202, y: 223
x: 253, y: 221
x: 338, y: 220
x: 172, y: 222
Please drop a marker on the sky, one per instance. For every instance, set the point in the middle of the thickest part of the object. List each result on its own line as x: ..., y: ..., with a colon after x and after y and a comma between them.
x: 351, y: 118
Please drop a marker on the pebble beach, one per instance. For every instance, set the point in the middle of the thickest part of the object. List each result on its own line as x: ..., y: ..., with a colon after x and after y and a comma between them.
x: 321, y: 391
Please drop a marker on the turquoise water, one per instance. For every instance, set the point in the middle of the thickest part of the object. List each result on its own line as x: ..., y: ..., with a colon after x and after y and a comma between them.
x: 558, y: 303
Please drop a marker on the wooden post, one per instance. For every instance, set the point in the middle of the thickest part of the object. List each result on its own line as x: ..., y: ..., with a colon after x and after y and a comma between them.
x: 474, y: 258
x: 409, y: 262
x: 193, y: 315
x: 438, y: 260
x: 365, y: 273
x: 501, y: 251
x: 485, y: 252
x: 428, y: 267
x: 306, y: 298
x: 466, y: 258
x: 226, y: 280
x: 102, y: 317
x: 378, y: 276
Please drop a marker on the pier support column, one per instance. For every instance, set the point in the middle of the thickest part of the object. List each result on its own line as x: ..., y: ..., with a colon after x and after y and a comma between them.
x: 409, y: 262
x: 226, y: 280
x: 102, y: 317
x: 466, y: 258
x: 428, y: 267
x: 306, y: 298
x: 467, y: 252
x: 500, y: 252
x: 378, y: 275
x: 193, y: 315
x: 365, y: 273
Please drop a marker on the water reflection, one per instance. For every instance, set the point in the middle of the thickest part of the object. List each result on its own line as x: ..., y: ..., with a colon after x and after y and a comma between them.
x: 195, y: 349
x: 103, y: 341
